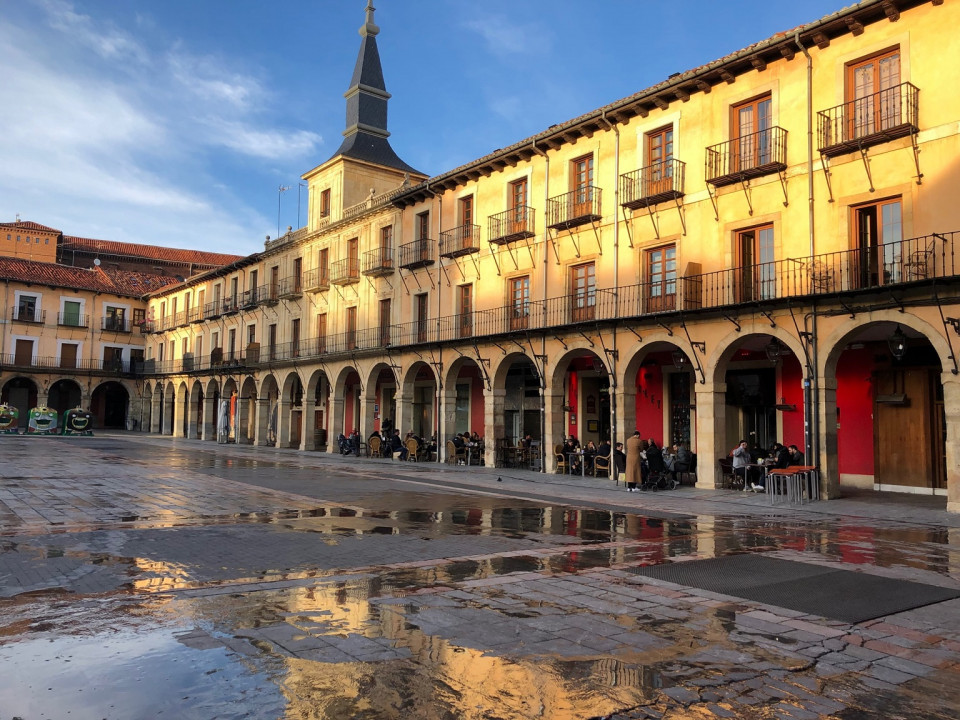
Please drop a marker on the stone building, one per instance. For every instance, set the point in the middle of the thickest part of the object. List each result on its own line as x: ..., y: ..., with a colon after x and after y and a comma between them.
x: 761, y: 247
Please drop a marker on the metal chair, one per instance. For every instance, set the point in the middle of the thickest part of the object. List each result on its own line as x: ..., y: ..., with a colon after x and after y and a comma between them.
x: 601, y: 463
x: 562, y: 465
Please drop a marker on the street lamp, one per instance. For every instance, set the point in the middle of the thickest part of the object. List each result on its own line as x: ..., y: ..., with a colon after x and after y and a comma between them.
x: 773, y: 350
x: 680, y: 361
x: 897, y: 343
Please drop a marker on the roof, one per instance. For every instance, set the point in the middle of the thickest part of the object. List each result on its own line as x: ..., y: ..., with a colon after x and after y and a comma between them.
x: 153, y: 252
x: 27, y: 225
x: 116, y: 282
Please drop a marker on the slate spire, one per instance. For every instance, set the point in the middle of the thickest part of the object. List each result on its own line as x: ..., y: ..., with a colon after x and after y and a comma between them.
x: 365, y: 137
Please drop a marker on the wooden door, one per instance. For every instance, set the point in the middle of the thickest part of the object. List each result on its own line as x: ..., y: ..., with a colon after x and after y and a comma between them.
x: 23, y: 353
x: 904, y: 437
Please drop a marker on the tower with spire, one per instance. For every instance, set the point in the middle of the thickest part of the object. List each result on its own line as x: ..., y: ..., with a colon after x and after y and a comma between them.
x: 365, y: 163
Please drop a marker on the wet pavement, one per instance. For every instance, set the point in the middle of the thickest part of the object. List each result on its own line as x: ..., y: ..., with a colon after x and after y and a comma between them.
x: 144, y: 577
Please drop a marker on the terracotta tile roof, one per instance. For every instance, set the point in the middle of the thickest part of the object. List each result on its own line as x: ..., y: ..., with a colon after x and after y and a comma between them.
x: 116, y: 282
x: 153, y: 252
x: 26, y: 225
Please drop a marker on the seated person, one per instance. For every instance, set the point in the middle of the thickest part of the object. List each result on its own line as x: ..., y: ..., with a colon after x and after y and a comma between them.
x: 796, y: 457
x: 620, y: 458
x: 681, y: 461
x: 604, y: 449
x: 589, y: 453
x: 741, y: 464
x: 355, y: 441
x: 781, y: 457
x: 396, y: 444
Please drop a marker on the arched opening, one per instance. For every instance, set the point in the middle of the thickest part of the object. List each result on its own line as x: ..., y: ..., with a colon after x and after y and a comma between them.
x: 64, y: 395
x: 659, y: 392
x: 20, y: 392
x: 109, y: 404
x: 295, y: 400
x: 424, y: 403
x: 385, y: 401
x: 582, y: 382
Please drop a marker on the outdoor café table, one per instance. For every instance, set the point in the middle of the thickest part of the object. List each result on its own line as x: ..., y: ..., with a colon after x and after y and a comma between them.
x: 794, y: 478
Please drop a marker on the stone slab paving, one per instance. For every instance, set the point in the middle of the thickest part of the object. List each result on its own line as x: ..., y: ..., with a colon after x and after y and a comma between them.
x: 270, y: 554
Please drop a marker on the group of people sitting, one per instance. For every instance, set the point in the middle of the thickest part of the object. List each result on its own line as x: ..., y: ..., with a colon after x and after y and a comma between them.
x: 644, y: 460
x: 749, y: 464
x: 464, y: 440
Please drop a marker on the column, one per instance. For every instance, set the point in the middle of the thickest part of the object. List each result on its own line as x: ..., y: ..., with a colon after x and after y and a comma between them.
x: 494, y: 429
x: 156, y: 403
x: 951, y: 405
x: 261, y: 436
x: 448, y: 420
x: 284, y: 410
x: 711, y: 443
x: 828, y: 461
x: 168, y: 414
x: 555, y: 428
x: 208, y: 428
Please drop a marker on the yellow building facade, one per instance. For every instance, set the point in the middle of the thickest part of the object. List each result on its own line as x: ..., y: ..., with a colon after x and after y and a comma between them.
x: 761, y: 248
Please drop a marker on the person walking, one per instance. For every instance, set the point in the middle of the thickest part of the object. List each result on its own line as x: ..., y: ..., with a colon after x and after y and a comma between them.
x: 634, y: 461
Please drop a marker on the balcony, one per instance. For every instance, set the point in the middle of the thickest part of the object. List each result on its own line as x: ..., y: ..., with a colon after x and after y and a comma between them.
x: 115, y: 324
x: 230, y: 305
x: 575, y: 208
x: 34, y: 316
x: 749, y: 156
x: 180, y: 319
x: 290, y: 288
x: 345, y: 272
x: 147, y: 327
x: 73, y: 320
x: 195, y: 314
x: 653, y: 184
x: 510, y: 226
x: 878, y: 118
x: 417, y: 254
x: 459, y: 241
x: 317, y: 280
x: 213, y: 310
x: 85, y: 365
x: 378, y: 262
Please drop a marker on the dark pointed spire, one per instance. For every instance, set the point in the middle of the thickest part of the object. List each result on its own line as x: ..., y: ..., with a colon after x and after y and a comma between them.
x: 365, y: 137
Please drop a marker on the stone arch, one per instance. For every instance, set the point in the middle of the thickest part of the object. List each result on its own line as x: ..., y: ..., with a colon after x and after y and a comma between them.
x: 345, y: 402
x: 316, y: 411
x: 64, y: 394
x: 167, y: 408
x: 146, y: 408
x: 290, y: 410
x: 246, y: 411
x: 196, y: 418
x: 268, y: 400
x: 383, y: 391
x: 22, y: 393
x: 578, y: 393
x: 715, y: 364
x: 516, y: 405
x: 110, y: 404
x: 417, y: 403
x: 181, y: 413
x: 463, y: 401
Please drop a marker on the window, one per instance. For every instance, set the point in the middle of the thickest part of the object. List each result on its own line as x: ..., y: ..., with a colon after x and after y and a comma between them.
x: 518, y: 206
x: 581, y: 184
x: 465, y: 210
x: 386, y: 246
x: 68, y: 355
x: 216, y: 295
x: 233, y: 289
x: 27, y: 308
x: 583, y: 292
x: 351, y: 336
x: 757, y: 269
x: 198, y: 346
x: 751, y: 126
x: 160, y: 352
x: 421, y: 310
x: 423, y: 225
x: 297, y: 274
x: 323, y: 265
x: 114, y: 318
x: 465, y: 310
x: 519, y: 302
x: 232, y: 344
x: 254, y: 279
x: 353, y: 257
x: 215, y: 339
x: 878, y: 240
x: 274, y: 282
x: 113, y: 357
x: 184, y: 346
x: 659, y: 175
x: 661, y: 278
x: 251, y: 334
x: 272, y: 341
x: 201, y: 297
x: 873, y: 86
x: 173, y: 308
x: 139, y: 316
x: 71, y: 315
x: 385, y: 321
x: 325, y: 203
x: 322, y: 332
x: 295, y: 337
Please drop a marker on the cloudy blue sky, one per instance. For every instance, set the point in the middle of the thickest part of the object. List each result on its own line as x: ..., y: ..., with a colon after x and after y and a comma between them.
x: 174, y: 122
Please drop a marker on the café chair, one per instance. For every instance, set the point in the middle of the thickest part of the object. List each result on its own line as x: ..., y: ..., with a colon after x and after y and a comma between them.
x: 562, y: 465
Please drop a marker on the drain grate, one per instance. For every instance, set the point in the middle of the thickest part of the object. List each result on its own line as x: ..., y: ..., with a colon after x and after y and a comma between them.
x: 844, y: 595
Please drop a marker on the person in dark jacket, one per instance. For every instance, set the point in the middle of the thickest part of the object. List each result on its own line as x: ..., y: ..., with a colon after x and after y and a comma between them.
x: 396, y: 444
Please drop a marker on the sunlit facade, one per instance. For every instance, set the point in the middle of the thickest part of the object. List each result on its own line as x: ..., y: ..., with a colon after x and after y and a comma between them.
x: 760, y: 248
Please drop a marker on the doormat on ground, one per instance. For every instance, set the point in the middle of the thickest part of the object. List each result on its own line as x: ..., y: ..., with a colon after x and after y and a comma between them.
x: 844, y: 595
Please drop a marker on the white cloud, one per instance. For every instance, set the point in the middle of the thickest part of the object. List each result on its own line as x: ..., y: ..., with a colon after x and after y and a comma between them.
x: 111, y: 43
x: 504, y: 37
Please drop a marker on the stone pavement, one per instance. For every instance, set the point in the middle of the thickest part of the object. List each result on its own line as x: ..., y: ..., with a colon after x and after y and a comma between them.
x: 512, y: 591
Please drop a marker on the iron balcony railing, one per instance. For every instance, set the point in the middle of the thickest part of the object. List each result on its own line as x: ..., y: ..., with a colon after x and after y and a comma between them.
x: 577, y: 207
x: 179, y: 319
x: 345, y: 272
x: 110, y: 365
x: 28, y: 315
x: 115, y: 324
x: 291, y: 287
x: 417, y: 254
x: 378, y: 262
x: 653, y: 184
x: 73, y: 320
x: 909, y: 261
x: 877, y: 118
x: 512, y: 225
x: 195, y: 314
x: 461, y: 240
x: 148, y: 326
x: 317, y: 280
x: 748, y: 156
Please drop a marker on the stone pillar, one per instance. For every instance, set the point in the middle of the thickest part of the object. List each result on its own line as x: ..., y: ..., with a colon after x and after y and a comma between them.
x: 951, y: 404
x: 43, y: 397
x: 404, y: 418
x: 308, y: 424
x: 494, y: 429
x: 828, y: 461
x: 284, y: 420
x: 448, y: 420
x: 208, y: 428
x: 168, y: 406
x: 368, y: 405
x: 192, y: 426
x: 179, y: 410
x: 261, y: 436
x: 711, y: 420
x: 626, y: 414
x: 555, y: 426
x: 155, y: 404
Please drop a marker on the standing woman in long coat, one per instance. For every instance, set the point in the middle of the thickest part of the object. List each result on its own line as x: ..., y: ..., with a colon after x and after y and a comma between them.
x: 634, y: 461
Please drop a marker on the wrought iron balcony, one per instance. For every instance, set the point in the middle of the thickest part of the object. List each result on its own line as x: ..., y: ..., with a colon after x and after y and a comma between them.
x: 378, y: 262
x: 577, y: 207
x: 179, y: 319
x: 115, y: 324
x: 878, y: 118
x: 317, y: 280
x: 195, y: 314
x: 749, y: 156
x: 291, y: 287
x: 86, y: 365
x: 417, y: 254
x: 73, y: 320
x: 653, y: 184
x: 230, y: 305
x: 345, y: 272
x: 510, y: 226
x: 22, y: 314
x: 213, y: 310
x: 461, y: 240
